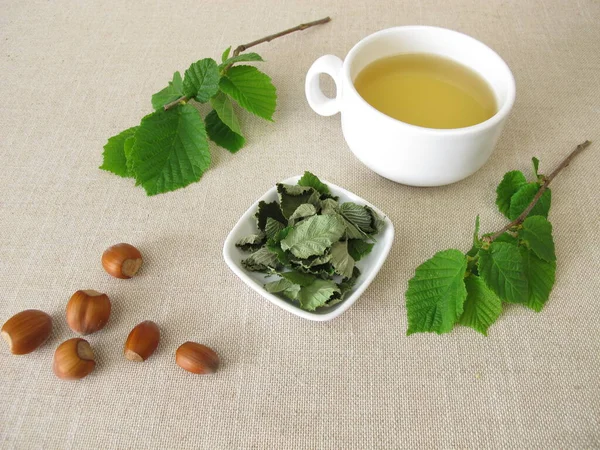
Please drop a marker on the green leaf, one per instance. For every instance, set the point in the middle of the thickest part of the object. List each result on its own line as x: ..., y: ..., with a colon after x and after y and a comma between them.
x: 501, y: 267
x: 523, y: 197
x: 251, y: 242
x: 310, y: 180
x: 537, y: 233
x: 508, y: 238
x: 359, y: 248
x: 482, y: 307
x: 285, y: 287
x: 266, y: 210
x: 201, y: 80
x: 358, y: 215
x: 317, y: 260
x: 244, y: 57
x: 169, y: 94
x: 476, y: 241
x: 313, y: 236
x: 317, y: 294
x: 353, y: 232
x: 261, y: 261
x: 221, y: 134
x: 281, y: 235
x: 341, y: 260
x: 348, y: 285
x: 329, y: 206
x: 275, y: 248
x: 225, y: 54
x: 536, y: 165
x: 540, y: 275
x: 301, y: 279
x: 224, y: 109
x: 272, y: 227
x: 170, y: 150
x: 115, y: 160
x: 509, y: 185
x: 291, y: 197
x: 302, y: 212
x: 377, y: 222
x: 436, y: 294
x: 252, y: 89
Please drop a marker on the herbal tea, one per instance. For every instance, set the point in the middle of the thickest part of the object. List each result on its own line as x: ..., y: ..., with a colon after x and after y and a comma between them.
x: 426, y: 90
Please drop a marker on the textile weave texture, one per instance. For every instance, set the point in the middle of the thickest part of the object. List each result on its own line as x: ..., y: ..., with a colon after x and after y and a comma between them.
x: 77, y: 72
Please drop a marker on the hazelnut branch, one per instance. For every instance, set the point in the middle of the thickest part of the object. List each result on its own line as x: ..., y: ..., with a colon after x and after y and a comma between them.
x: 539, y: 193
x: 240, y: 48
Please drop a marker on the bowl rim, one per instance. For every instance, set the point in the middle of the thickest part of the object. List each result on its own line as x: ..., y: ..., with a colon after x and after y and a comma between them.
x: 230, y: 240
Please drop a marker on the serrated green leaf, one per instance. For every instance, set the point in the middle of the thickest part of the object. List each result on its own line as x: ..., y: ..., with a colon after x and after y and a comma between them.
x: 482, y: 307
x: 244, y: 57
x: 301, y: 279
x: 201, y: 80
x: 313, y: 236
x: 114, y: 159
x: 540, y: 276
x: 510, y: 184
x: 251, y: 242
x: 291, y: 197
x: 169, y: 94
x: 261, y: 260
x: 536, y: 165
x: 359, y: 248
x: 523, y: 197
x: 329, y: 206
x: 302, y: 212
x: 252, y: 89
x: 225, y: 54
x: 311, y: 180
x: 316, y: 260
x: 347, y: 285
x: 352, y: 232
x: 224, y: 109
x: 285, y: 287
x: 317, y: 294
x: 275, y: 248
x: 501, y: 267
x: 377, y: 222
x: 341, y: 260
x: 281, y: 235
x: 266, y: 210
x: 508, y: 238
x: 537, y: 233
x: 436, y: 294
x: 272, y: 227
x: 128, y: 148
x: 170, y: 150
x: 221, y: 134
x: 358, y: 215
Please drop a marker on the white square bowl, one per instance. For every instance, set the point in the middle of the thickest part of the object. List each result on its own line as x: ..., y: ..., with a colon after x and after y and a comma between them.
x: 369, y: 265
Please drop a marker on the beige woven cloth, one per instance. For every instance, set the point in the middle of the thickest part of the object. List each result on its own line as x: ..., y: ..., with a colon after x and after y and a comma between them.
x: 76, y: 72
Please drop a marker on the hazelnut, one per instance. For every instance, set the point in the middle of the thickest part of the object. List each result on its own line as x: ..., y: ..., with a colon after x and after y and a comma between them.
x: 27, y: 330
x: 122, y: 260
x: 142, y: 341
x: 73, y: 359
x: 88, y: 311
x: 197, y: 358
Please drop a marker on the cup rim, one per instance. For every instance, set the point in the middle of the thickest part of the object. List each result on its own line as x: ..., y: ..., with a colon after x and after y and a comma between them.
x: 489, y: 123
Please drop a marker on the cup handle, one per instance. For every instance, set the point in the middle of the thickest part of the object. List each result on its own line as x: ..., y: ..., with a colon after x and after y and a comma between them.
x: 319, y: 102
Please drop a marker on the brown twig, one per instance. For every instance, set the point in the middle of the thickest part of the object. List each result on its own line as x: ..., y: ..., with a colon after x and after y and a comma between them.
x: 539, y: 193
x: 240, y: 48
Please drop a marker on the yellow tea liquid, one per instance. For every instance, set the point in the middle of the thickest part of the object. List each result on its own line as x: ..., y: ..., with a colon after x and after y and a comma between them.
x: 426, y: 90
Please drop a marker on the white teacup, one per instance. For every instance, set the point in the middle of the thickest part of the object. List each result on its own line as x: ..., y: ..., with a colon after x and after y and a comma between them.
x: 399, y: 151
